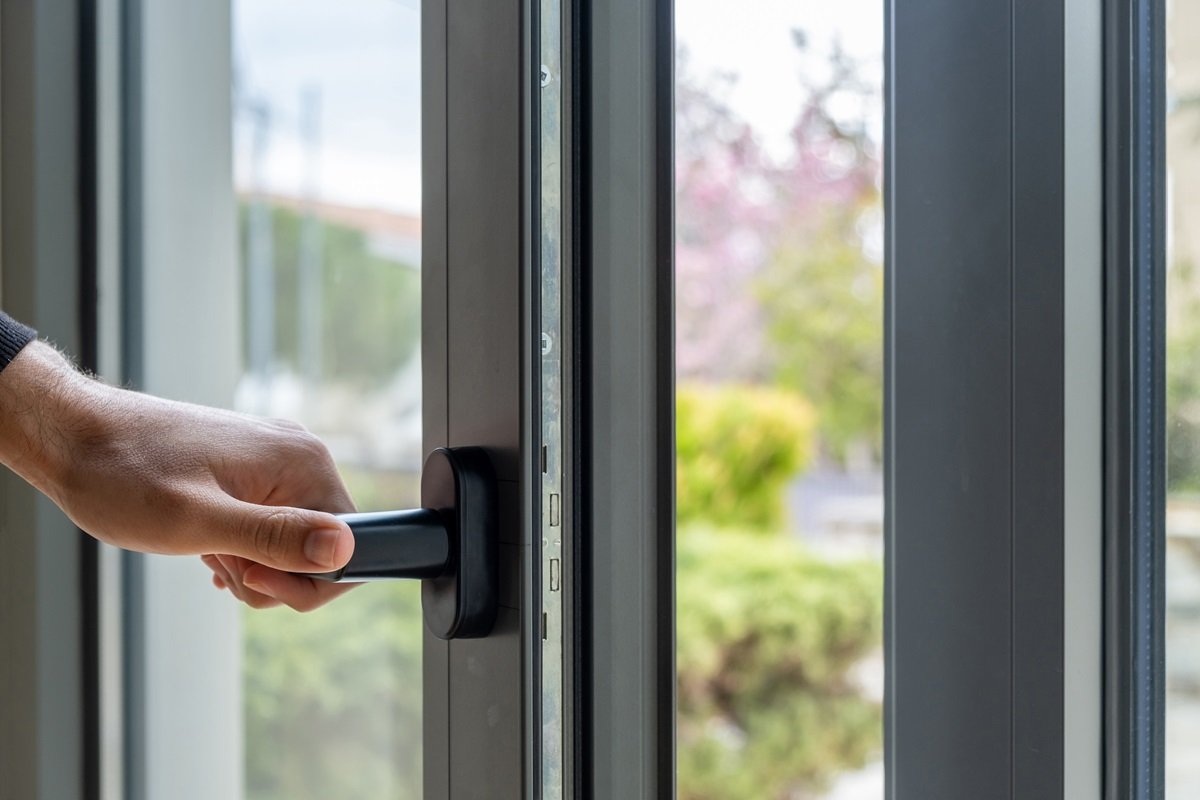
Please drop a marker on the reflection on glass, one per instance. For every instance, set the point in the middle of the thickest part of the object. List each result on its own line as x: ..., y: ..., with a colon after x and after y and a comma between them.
x: 1183, y: 402
x: 780, y: 354
x: 327, y: 170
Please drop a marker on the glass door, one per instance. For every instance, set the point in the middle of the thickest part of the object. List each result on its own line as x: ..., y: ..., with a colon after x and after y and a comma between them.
x: 327, y: 183
x: 325, y: 218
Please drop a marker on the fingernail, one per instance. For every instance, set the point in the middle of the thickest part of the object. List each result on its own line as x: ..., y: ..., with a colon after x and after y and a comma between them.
x: 321, y: 547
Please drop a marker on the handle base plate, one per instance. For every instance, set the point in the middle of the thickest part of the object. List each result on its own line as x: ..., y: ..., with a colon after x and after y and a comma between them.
x: 459, y: 484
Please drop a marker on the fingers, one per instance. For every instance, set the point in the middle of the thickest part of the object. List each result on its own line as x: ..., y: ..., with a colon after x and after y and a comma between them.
x: 265, y: 545
x: 288, y: 539
x: 296, y: 591
x: 263, y: 587
x: 227, y: 573
x: 221, y: 578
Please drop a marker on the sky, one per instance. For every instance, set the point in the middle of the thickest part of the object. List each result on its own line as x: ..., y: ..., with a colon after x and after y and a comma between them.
x: 362, y: 58
x: 752, y: 39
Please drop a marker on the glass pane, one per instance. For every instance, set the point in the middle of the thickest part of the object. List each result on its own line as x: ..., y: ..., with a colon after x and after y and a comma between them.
x: 326, y: 139
x: 780, y: 368
x: 1183, y: 401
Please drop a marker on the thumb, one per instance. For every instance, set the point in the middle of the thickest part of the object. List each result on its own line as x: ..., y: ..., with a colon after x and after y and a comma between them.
x: 290, y: 539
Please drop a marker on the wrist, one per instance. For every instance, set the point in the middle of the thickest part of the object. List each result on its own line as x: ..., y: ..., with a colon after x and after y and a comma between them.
x: 45, y: 405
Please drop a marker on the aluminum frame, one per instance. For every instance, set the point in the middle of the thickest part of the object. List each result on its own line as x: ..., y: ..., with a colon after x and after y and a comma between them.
x: 1134, y: 390
x: 993, y: 482
x: 44, y: 741
x: 480, y: 347
x: 626, y: 179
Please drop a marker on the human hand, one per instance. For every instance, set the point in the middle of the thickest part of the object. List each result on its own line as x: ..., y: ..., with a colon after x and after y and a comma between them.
x: 254, y: 497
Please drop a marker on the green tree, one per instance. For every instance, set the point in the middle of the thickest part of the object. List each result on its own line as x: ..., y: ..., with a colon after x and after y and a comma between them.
x: 370, y: 304
x: 823, y: 298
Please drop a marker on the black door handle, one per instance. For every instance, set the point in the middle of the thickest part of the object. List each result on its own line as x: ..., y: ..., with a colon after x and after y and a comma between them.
x: 449, y: 544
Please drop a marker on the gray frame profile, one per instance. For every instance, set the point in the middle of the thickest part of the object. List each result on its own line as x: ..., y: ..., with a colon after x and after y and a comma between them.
x: 478, y: 348
x: 44, y: 744
x: 61, y: 733
x: 982, y: 238
x: 480, y: 343
x: 627, y: 260
x: 1135, y: 355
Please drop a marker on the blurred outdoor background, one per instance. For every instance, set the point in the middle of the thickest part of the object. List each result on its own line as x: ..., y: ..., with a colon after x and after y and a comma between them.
x: 327, y: 156
x: 1183, y: 400
x: 780, y: 337
x: 779, y: 301
x: 779, y: 345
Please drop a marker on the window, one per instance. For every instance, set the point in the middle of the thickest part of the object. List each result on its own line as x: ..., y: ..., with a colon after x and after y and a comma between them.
x: 982, y: 347
x: 779, y: 348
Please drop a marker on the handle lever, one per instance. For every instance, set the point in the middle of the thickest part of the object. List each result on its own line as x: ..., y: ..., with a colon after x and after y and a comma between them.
x: 414, y: 543
x: 449, y: 544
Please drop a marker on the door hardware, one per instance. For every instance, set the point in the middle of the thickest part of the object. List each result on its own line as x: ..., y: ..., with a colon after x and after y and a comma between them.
x: 450, y: 544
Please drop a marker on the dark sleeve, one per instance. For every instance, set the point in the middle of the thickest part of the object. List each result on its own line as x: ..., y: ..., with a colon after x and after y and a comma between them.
x: 13, y: 337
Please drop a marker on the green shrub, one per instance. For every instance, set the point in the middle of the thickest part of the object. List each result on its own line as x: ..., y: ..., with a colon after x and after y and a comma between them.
x: 768, y: 636
x: 333, y: 698
x: 737, y: 448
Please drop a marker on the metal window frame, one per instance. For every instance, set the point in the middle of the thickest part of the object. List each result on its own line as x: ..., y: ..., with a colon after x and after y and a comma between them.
x: 100, y: 105
x: 993, y: 416
x: 46, y: 687
x: 478, y: 157
x: 626, y: 239
x: 480, y: 349
x: 1135, y: 355
x: 60, y: 271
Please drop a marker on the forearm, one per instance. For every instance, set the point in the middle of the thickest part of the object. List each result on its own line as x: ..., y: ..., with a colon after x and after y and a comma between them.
x: 158, y: 476
x: 42, y: 399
